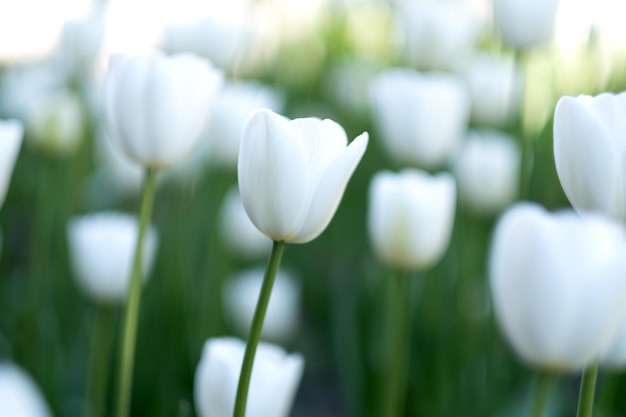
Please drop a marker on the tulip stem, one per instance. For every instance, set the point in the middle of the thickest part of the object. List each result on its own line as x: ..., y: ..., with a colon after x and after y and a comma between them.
x: 99, y: 354
x: 133, y: 300
x: 542, y: 389
x: 587, y: 390
x: 400, y: 325
x: 256, y: 327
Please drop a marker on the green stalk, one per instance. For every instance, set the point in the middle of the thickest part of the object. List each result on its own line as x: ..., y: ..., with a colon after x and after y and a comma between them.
x: 99, y: 354
x: 131, y: 311
x: 542, y: 389
x: 587, y: 390
x: 256, y: 327
x: 400, y: 324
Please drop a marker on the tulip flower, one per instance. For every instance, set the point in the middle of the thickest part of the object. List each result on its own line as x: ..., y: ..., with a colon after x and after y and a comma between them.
x: 275, y: 379
x: 525, y: 24
x: 589, y: 141
x: 615, y: 356
x: 421, y: 118
x: 155, y: 106
x: 487, y: 171
x: 19, y: 395
x: 101, y: 253
x: 238, y: 232
x: 241, y: 292
x: 292, y: 173
x: 11, y: 133
x: 557, y: 284
x: 410, y: 219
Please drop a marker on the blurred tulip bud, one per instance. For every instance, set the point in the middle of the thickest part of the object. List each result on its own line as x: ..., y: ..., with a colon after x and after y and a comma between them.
x: 589, y: 141
x: 11, y: 134
x: 282, y: 318
x: 615, y: 356
x: 238, y: 232
x: 438, y: 35
x: 411, y: 214
x: 557, y: 283
x: 487, y: 171
x: 55, y: 123
x: 155, y: 106
x: 292, y: 173
x: 421, y: 118
x: 273, y: 385
x: 495, y: 87
x: 101, y: 248
x: 525, y: 24
x: 19, y: 395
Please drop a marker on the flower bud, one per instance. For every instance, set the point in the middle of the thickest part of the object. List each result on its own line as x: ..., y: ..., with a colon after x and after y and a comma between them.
x: 525, y: 24
x: 19, y: 395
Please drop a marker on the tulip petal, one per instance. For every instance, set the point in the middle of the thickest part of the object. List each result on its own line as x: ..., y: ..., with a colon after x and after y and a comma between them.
x: 330, y: 189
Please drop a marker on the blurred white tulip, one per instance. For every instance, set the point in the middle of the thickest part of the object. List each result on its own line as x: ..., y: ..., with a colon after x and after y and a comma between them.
x: 557, y: 283
x: 273, y: 385
x: 589, y: 146
x: 438, y: 35
x: 410, y: 217
x: 240, y: 295
x: 487, y: 171
x: 292, y: 173
x: 11, y: 135
x: 101, y: 249
x: 237, y: 230
x: 155, y: 106
x: 495, y: 87
x: 421, y: 118
x: 615, y: 356
x: 525, y: 24
x: 19, y: 394
x: 55, y: 123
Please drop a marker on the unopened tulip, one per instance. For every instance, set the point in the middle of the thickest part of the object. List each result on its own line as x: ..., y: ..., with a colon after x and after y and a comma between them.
x: 525, y: 24
x: 155, y: 106
x: 241, y: 293
x: 292, y: 173
x: 589, y: 144
x: 19, y: 395
x: 557, y: 283
x: 421, y: 118
x: 275, y: 379
x: 410, y: 218
x: 615, y: 356
x: 238, y: 232
x: 101, y: 248
x: 487, y: 171
x: 11, y: 134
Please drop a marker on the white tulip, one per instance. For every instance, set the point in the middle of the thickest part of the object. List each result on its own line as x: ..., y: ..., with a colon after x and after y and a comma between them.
x: 615, y: 356
x: 525, y: 24
x: 487, y: 171
x: 102, y: 248
x: 273, y: 385
x: 589, y: 146
x: 557, y: 283
x: 292, y: 173
x: 410, y: 217
x: 237, y: 230
x: 421, y: 118
x: 155, y: 106
x: 495, y: 86
x: 438, y: 35
x: 19, y: 394
x: 241, y: 293
x: 11, y: 135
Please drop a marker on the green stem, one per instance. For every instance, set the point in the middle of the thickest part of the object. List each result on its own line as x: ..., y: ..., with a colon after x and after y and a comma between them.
x: 131, y: 312
x: 587, y: 390
x: 256, y: 327
x: 100, y: 352
x: 400, y: 325
x: 542, y: 389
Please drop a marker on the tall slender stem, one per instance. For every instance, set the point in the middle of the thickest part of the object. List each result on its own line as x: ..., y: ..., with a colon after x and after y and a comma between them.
x: 99, y: 354
x: 542, y: 388
x: 131, y: 312
x: 256, y: 327
x: 400, y: 324
x: 587, y: 391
